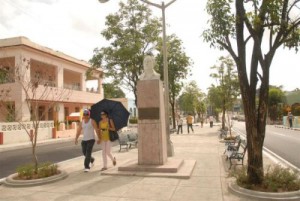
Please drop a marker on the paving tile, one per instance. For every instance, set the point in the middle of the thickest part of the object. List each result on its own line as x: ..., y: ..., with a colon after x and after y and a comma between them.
x: 147, y: 191
x: 160, y: 181
x: 203, y: 182
x: 197, y: 194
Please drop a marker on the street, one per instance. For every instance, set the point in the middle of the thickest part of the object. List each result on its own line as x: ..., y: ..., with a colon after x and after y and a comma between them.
x: 283, y: 142
x: 56, y: 152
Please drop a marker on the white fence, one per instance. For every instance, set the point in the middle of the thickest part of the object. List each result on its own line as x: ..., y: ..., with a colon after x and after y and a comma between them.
x: 13, y: 132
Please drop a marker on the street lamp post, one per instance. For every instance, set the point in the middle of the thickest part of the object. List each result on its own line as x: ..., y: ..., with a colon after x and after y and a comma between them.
x: 163, y: 7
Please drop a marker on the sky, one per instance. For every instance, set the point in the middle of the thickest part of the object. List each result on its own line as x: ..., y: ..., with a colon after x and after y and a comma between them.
x: 74, y: 27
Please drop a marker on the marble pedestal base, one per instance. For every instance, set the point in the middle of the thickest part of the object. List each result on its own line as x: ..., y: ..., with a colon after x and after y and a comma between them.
x: 174, y: 168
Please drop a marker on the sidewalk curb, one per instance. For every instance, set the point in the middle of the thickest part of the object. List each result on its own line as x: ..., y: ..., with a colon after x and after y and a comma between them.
x: 266, y: 196
x: 23, y: 145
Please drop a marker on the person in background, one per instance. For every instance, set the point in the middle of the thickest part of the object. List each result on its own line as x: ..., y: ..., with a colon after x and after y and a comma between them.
x: 105, y: 126
x: 290, y: 117
x: 211, y: 121
x: 189, y: 121
x: 179, y: 124
x: 88, y: 126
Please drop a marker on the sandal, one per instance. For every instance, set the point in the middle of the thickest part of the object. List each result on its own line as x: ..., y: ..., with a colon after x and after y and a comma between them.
x: 103, y: 169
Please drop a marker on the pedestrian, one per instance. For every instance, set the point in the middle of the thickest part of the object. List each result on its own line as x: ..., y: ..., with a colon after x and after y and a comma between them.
x: 211, y: 121
x: 189, y: 121
x: 201, y: 121
x: 290, y: 117
x: 88, y: 126
x: 105, y: 126
x: 179, y: 124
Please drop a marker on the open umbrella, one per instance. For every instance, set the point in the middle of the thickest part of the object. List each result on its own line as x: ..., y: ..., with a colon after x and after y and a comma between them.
x: 115, y: 109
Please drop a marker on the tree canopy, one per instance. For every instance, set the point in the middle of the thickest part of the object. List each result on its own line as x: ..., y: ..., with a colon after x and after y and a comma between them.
x: 132, y: 33
x: 178, y: 68
x: 252, y: 31
x: 227, y: 90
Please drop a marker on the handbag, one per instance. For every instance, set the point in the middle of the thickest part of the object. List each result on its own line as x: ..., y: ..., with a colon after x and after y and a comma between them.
x: 113, y: 135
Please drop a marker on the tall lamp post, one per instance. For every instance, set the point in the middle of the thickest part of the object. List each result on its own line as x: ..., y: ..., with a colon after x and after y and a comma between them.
x: 163, y: 7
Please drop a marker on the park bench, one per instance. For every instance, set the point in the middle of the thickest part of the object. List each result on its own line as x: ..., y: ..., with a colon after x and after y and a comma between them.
x: 223, y: 133
x: 232, y: 145
x: 132, y: 139
x: 239, y: 156
x: 127, y: 140
x: 123, y: 141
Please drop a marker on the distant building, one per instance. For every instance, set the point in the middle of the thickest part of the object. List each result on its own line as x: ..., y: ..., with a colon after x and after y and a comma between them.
x: 132, y: 108
x: 63, y: 71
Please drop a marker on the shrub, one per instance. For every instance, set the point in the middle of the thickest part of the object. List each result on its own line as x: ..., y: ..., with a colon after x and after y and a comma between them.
x: 133, y: 120
x: 276, y: 179
x: 26, y: 172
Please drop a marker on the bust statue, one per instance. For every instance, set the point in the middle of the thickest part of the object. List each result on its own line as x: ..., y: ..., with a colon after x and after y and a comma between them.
x: 149, y: 72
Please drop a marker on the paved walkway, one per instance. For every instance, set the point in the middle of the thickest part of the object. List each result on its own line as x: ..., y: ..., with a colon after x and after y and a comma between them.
x: 208, y: 181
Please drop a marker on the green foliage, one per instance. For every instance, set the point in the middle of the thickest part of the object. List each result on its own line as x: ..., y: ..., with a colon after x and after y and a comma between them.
x: 276, y: 99
x: 227, y: 83
x: 276, y: 179
x: 27, y: 172
x: 132, y: 33
x: 112, y: 90
x: 133, y: 120
x: 178, y: 67
x: 262, y: 27
x: 190, y: 97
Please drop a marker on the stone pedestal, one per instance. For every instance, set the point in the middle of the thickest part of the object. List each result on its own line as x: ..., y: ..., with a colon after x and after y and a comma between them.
x: 152, y: 138
x: 152, y: 146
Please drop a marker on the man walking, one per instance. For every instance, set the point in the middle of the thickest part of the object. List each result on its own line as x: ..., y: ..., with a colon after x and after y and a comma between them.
x: 189, y: 121
x: 179, y: 124
x: 290, y: 117
x: 88, y: 126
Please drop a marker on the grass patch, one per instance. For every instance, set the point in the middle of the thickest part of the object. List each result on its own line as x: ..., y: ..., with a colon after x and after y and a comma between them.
x: 276, y: 179
x: 26, y: 172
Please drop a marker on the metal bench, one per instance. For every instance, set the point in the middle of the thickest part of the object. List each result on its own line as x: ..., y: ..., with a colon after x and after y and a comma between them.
x: 123, y: 141
x: 239, y: 156
x: 233, y: 145
x: 132, y: 139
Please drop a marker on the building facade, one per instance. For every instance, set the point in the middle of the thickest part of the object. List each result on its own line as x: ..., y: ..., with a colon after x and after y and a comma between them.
x: 61, y: 88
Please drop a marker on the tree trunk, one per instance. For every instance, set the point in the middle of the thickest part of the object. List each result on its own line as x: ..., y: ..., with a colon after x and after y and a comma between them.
x: 34, y: 156
x: 173, y: 114
x: 223, y: 114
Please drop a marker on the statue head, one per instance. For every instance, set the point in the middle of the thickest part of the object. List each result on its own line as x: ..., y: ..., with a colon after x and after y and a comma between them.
x: 149, y: 72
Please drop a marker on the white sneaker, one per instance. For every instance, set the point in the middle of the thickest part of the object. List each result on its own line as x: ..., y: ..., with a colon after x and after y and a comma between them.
x: 86, y: 170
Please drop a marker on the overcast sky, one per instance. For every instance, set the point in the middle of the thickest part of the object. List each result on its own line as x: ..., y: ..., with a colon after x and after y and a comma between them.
x: 74, y: 26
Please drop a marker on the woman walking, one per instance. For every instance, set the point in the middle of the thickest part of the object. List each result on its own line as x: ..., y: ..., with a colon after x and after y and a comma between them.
x: 105, y: 126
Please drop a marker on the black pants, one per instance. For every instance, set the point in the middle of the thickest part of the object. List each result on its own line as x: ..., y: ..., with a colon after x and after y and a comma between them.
x: 87, y: 148
x: 190, y: 126
x: 211, y: 124
x: 291, y: 123
x: 179, y: 128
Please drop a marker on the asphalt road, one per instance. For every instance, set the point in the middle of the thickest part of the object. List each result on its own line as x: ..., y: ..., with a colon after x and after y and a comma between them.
x: 283, y: 142
x: 56, y: 152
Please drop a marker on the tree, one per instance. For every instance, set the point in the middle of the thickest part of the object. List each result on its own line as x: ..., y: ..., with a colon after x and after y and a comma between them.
x: 262, y: 28
x: 37, y: 89
x: 201, y: 108
x: 111, y: 90
x: 215, y: 100
x: 132, y: 34
x: 190, y: 97
x: 276, y: 97
x: 228, y: 84
x: 178, y: 68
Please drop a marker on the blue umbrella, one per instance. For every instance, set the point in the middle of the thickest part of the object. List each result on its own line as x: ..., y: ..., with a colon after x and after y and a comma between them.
x: 115, y: 109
